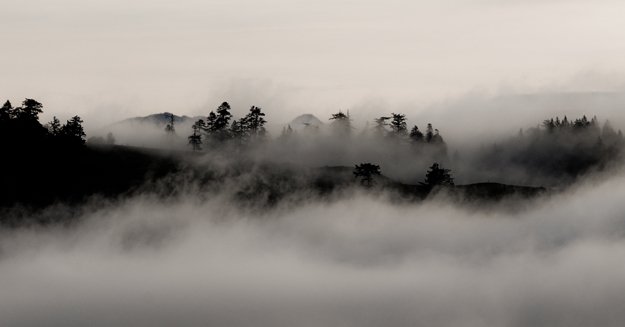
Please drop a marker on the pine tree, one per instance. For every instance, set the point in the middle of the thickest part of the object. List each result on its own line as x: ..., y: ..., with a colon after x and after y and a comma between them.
x: 437, y: 175
x: 398, y: 125
x: 416, y: 136
x: 29, y: 110
x: 72, y: 132
x: 54, y: 126
x: 170, y: 129
x: 341, y: 124
x: 429, y: 133
x: 254, y: 123
x: 366, y: 171
x: 195, y: 139
x: 379, y: 130
x: 6, y: 112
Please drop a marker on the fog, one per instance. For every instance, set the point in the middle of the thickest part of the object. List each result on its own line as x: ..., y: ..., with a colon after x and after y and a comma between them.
x: 109, y: 61
x: 195, y: 260
x: 244, y: 235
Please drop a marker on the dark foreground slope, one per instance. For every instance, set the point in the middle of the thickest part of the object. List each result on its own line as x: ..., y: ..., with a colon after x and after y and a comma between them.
x: 71, y: 178
x: 40, y: 178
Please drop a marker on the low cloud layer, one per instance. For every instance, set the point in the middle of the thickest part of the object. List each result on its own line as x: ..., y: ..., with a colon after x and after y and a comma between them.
x: 356, y: 262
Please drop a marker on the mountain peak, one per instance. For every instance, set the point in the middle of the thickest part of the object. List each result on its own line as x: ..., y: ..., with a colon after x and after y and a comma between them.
x: 306, y: 119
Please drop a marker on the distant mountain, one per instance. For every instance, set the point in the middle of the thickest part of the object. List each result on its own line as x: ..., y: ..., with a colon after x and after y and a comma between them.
x: 148, y: 131
x: 305, y: 119
x: 157, y: 119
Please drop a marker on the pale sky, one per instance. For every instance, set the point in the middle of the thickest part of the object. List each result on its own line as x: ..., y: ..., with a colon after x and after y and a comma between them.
x: 111, y: 60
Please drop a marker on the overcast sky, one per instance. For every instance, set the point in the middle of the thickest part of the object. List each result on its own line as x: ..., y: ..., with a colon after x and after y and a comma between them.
x: 115, y: 59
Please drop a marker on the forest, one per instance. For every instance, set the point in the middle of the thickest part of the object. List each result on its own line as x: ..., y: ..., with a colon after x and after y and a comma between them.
x: 51, y: 163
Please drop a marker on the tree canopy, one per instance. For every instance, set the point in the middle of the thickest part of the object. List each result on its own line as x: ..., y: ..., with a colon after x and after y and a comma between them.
x: 366, y: 171
x: 437, y: 175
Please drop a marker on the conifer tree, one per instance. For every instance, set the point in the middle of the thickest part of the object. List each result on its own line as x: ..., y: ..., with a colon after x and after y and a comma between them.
x: 379, y: 130
x: 366, y: 171
x: 341, y: 124
x: 415, y: 135
x: 437, y: 175
x: 54, y: 126
x: 6, y: 112
x: 254, y: 124
x: 398, y: 126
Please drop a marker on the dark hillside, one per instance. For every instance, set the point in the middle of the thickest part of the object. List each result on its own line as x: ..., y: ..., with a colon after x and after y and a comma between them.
x: 38, y: 179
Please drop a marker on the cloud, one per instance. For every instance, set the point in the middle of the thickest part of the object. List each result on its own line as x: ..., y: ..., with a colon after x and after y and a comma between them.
x: 359, y: 261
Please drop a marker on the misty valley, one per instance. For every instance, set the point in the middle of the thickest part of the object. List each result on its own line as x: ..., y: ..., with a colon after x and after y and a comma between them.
x: 216, y: 220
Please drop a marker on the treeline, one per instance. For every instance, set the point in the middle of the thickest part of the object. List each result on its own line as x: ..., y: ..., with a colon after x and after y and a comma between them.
x: 558, y: 150
x: 21, y: 129
x: 220, y: 130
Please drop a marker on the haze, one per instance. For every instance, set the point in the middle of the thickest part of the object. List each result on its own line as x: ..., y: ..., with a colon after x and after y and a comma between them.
x: 108, y: 61
x: 360, y: 261
x: 275, y: 231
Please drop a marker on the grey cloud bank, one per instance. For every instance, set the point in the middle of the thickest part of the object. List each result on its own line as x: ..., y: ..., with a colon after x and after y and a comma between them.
x: 360, y: 261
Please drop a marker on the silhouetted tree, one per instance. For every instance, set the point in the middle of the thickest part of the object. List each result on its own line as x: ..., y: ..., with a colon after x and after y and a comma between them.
x: 379, y: 130
x: 170, y: 129
x: 54, y: 126
x: 6, y: 112
x: 218, y: 125
x: 341, y: 124
x: 549, y: 125
x: 416, y: 136
x: 238, y: 131
x: 29, y: 110
x: 254, y: 124
x: 195, y: 140
x: 366, y: 171
x: 209, y: 126
x: 72, y: 132
x: 398, y: 126
x: 429, y: 133
x: 437, y: 175
x: 608, y: 133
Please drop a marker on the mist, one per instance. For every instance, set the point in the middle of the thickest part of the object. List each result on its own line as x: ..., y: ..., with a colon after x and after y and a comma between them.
x: 234, y: 222
x: 361, y: 260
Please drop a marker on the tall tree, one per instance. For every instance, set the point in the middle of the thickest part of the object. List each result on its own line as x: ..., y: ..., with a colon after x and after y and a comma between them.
x: 379, y: 130
x: 170, y: 129
x: 437, y: 175
x: 416, y: 136
x: 217, y: 125
x: 223, y: 117
x: 73, y: 132
x: 195, y: 140
x: 54, y: 126
x: 6, y: 112
x: 366, y: 171
x: 429, y: 133
x: 29, y: 110
x: 398, y: 126
x: 341, y: 124
x: 238, y: 131
x: 254, y: 124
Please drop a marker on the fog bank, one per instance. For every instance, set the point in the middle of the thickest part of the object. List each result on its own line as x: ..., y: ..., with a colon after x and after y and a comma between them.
x: 359, y: 261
